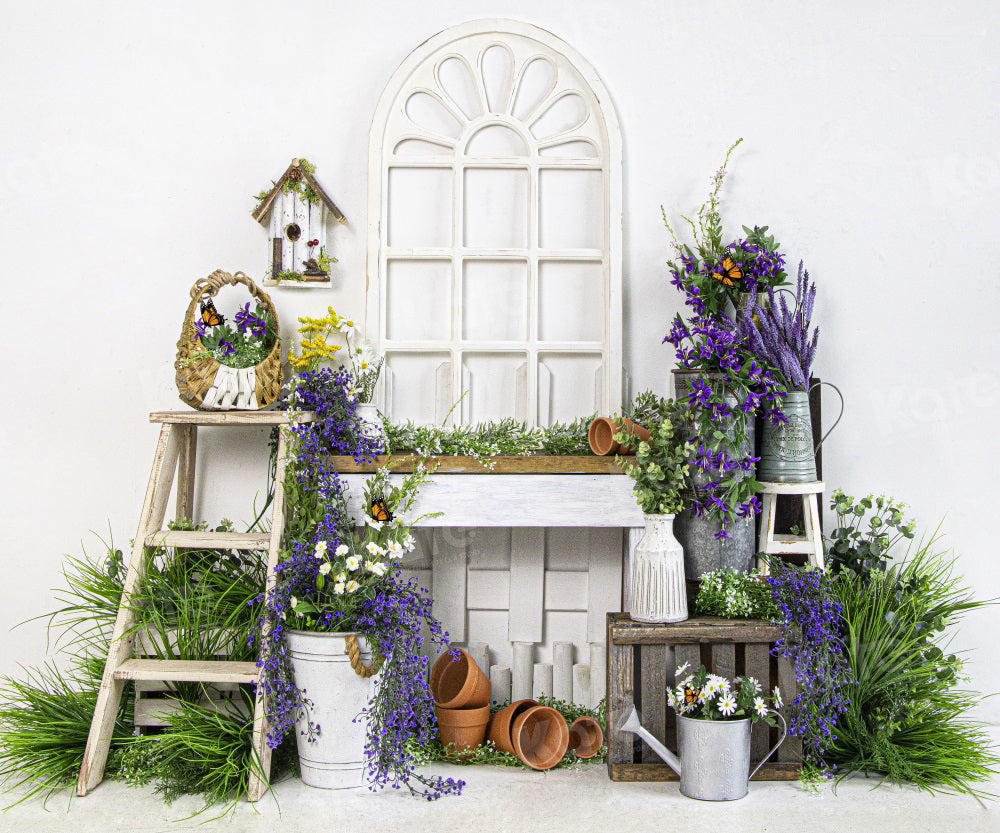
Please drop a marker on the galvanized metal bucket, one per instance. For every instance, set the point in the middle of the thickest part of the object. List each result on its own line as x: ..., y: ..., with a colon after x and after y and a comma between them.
x: 787, y: 453
x: 715, y: 757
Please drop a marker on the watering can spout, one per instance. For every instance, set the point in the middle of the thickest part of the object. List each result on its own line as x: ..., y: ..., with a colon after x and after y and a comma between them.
x: 630, y: 723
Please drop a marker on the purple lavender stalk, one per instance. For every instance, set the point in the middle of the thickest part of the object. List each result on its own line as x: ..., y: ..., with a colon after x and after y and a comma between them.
x: 780, y: 336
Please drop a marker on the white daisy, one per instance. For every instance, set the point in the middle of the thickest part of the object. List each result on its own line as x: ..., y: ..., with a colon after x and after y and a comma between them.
x: 754, y: 683
x: 338, y: 588
x: 374, y: 548
x: 681, y: 669
x: 353, y: 563
x: 340, y: 578
x: 324, y: 568
x: 760, y: 706
x: 777, y: 697
x: 409, y: 543
x: 671, y: 699
x: 341, y: 551
x: 320, y: 550
x: 376, y: 525
x: 379, y: 568
x: 352, y: 585
x: 727, y: 704
x: 395, y: 548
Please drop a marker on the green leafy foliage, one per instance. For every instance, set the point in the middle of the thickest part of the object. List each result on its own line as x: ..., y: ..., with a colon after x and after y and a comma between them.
x: 866, y: 531
x: 907, y: 718
x: 660, y: 467
x: 734, y: 595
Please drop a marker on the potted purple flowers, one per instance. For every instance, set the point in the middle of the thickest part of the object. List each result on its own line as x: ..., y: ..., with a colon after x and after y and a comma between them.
x: 779, y: 334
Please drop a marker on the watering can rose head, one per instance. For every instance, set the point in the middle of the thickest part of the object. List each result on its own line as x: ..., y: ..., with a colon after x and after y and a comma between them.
x: 710, y: 697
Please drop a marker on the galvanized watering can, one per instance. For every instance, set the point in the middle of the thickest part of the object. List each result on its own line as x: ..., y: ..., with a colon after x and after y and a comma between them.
x: 787, y: 454
x: 714, y: 763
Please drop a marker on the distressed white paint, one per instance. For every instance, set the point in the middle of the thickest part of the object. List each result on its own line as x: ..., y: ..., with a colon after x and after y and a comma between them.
x: 598, y: 673
x: 604, y: 584
x: 522, y: 670
x: 299, y: 248
x: 581, y: 685
x: 500, y: 684
x: 527, y: 586
x: 542, y: 680
x: 288, y: 200
x: 513, y: 199
x: 515, y: 500
x: 448, y: 584
x: 233, y: 388
x: 562, y: 672
x: 480, y: 652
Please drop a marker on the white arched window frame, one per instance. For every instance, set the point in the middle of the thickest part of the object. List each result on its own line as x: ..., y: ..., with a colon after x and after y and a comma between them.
x: 495, y: 240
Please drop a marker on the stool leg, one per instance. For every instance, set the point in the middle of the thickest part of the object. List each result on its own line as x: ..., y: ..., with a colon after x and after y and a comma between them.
x: 769, y: 510
x: 810, y: 510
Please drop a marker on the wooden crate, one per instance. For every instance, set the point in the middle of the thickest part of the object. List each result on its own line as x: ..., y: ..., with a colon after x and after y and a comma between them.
x: 641, y: 662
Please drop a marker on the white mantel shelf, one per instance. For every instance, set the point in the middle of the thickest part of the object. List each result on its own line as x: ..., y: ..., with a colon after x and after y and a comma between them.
x: 585, y: 492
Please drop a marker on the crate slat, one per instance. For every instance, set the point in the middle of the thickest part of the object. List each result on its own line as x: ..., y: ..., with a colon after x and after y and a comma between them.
x: 653, y: 694
x: 619, y: 698
x: 757, y: 664
x: 791, y: 749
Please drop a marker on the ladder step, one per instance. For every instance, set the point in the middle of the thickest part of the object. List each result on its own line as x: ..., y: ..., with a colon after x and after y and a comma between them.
x: 183, y: 670
x: 209, y: 540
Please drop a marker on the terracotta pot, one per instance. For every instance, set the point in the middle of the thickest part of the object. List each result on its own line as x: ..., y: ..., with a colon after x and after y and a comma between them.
x: 540, y: 737
x: 459, y: 684
x: 586, y: 737
x: 601, y: 436
x: 500, y: 724
x: 463, y: 729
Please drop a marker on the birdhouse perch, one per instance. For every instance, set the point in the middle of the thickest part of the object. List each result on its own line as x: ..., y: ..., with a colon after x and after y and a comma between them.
x: 295, y: 212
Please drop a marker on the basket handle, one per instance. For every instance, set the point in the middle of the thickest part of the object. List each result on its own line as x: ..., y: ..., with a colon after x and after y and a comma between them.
x: 210, y: 286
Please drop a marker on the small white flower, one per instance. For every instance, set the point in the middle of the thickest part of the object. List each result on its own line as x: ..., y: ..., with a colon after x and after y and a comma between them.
x: 760, y: 706
x: 353, y: 563
x: 352, y: 585
x: 341, y: 551
x: 376, y: 525
x: 374, y: 548
x: 671, y: 698
x: 777, y: 697
x: 324, y: 568
x: 681, y: 669
x: 755, y: 684
x: 338, y: 588
x: 409, y: 542
x: 379, y: 568
x: 293, y: 603
x: 320, y: 550
x: 727, y: 704
x: 340, y: 578
x: 395, y: 548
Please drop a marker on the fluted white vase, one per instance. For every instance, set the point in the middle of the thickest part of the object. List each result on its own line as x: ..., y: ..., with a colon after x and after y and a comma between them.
x: 658, y: 590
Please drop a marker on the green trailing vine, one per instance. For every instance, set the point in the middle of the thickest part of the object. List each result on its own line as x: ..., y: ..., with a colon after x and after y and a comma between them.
x: 300, y: 186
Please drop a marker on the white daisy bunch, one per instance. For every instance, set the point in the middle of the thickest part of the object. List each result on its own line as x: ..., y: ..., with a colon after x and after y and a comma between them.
x: 712, y: 697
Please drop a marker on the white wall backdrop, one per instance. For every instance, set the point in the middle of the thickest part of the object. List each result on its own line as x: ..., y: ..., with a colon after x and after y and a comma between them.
x: 134, y: 135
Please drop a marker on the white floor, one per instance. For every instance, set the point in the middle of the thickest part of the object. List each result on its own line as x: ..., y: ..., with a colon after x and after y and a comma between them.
x: 501, y: 800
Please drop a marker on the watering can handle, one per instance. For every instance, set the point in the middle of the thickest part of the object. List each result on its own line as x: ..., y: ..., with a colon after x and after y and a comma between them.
x: 840, y: 416
x: 784, y: 733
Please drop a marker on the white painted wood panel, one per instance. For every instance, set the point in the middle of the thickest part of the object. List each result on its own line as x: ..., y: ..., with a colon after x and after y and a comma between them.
x: 514, y: 500
x: 287, y: 216
x: 489, y: 589
x: 542, y: 680
x: 562, y: 671
x: 449, y: 581
x: 500, y: 683
x: 299, y: 248
x: 565, y: 591
x: 527, y: 585
x: 522, y: 671
x: 604, y: 586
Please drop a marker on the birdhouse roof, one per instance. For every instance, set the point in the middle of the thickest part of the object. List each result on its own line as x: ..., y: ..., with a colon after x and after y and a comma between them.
x: 296, y: 171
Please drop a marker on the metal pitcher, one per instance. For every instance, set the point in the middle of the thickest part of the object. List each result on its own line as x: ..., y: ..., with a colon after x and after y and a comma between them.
x: 787, y: 454
x: 714, y: 763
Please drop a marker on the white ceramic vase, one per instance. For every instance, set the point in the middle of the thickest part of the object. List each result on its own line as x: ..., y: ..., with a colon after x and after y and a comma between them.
x: 657, y: 588
x: 336, y: 695
x: 371, y: 421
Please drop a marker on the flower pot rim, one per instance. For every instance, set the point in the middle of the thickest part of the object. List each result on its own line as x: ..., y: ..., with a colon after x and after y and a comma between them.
x: 717, y: 722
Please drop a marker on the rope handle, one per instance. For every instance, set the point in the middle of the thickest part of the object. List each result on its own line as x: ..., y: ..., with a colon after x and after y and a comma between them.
x: 354, y: 652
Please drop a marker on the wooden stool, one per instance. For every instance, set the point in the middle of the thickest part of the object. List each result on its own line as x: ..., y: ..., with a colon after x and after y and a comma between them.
x: 811, y: 543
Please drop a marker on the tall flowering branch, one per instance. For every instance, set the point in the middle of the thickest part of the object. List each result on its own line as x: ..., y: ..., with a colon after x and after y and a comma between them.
x: 780, y: 336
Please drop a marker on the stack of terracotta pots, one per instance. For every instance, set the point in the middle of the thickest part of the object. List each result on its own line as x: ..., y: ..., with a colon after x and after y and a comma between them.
x: 461, y: 701
x: 538, y: 735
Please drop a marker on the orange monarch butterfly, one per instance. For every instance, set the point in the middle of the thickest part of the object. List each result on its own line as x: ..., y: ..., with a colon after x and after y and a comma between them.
x: 380, y: 510
x: 691, y: 695
x: 730, y: 272
x: 210, y: 315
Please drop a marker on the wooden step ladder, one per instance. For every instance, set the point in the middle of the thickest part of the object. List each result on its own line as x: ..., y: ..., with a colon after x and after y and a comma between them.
x: 175, y: 451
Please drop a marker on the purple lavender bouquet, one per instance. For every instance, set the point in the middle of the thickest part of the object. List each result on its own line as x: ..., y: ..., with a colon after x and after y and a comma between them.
x: 780, y: 336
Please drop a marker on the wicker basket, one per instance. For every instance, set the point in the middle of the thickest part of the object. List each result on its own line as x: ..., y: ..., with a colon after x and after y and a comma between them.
x: 206, y: 384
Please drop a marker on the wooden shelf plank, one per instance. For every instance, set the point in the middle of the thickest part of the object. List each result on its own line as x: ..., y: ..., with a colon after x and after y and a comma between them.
x: 457, y: 464
x: 198, y: 539
x: 201, y: 671
x: 229, y: 417
x: 625, y: 631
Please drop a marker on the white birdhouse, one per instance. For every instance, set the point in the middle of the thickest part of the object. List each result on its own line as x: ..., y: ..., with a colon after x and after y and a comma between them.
x: 295, y: 212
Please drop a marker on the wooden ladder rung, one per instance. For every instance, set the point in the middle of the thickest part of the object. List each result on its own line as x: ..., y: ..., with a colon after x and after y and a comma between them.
x: 208, y: 540
x: 182, y: 670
